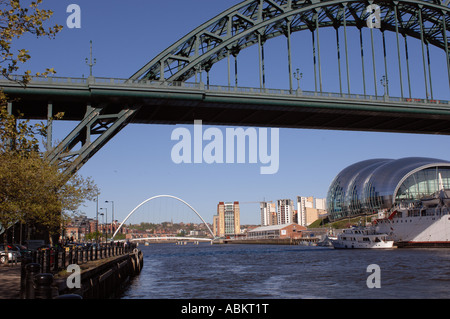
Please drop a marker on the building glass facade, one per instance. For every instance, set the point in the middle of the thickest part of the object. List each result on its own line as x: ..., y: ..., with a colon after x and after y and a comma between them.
x: 227, y: 221
x: 229, y: 218
x: 423, y: 183
x: 372, y: 185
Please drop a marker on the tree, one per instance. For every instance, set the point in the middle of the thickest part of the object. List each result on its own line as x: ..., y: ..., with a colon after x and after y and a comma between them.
x: 35, y: 192
x: 31, y: 190
x: 15, y: 21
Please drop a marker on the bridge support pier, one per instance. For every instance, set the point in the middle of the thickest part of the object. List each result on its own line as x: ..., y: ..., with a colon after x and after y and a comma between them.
x: 49, y: 125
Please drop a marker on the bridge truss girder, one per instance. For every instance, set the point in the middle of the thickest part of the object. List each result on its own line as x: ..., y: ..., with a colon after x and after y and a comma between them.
x: 92, y: 132
x: 253, y: 22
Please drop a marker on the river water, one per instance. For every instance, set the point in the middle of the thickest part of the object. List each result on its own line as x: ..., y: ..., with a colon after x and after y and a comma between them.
x: 288, y: 272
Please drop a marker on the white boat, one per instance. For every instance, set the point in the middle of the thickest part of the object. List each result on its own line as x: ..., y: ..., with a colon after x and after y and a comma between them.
x: 420, y: 224
x: 362, y: 237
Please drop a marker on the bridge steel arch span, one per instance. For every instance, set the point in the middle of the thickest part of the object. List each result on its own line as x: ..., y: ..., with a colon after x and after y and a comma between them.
x: 252, y: 22
x: 159, y: 196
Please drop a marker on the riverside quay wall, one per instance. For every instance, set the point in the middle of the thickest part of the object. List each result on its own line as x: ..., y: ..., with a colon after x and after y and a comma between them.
x: 271, y: 241
x: 81, y: 274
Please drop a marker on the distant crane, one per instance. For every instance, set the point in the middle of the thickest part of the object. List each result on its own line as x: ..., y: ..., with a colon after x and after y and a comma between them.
x: 255, y: 202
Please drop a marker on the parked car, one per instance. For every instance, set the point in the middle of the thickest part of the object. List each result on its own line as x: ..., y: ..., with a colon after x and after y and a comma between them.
x: 24, y: 251
x: 13, y: 253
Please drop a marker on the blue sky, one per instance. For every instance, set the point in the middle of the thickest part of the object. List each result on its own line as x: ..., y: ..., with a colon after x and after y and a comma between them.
x: 137, y: 163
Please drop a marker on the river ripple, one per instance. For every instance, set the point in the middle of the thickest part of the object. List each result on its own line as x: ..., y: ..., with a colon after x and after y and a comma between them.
x: 287, y: 272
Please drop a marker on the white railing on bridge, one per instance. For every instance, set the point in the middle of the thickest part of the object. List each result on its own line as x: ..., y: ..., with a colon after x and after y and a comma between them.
x: 218, y: 88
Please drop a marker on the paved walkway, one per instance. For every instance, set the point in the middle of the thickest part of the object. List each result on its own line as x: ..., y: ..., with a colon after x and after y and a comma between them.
x: 10, y: 281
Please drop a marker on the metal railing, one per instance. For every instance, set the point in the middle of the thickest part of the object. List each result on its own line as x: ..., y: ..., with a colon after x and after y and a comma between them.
x: 54, y: 260
x: 221, y: 89
x: 38, y: 271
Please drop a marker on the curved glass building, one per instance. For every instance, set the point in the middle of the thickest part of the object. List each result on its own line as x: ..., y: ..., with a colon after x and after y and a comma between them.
x: 372, y: 185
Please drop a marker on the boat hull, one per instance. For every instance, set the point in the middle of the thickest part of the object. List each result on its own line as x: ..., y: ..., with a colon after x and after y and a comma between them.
x: 362, y: 238
x: 418, y: 230
x: 357, y: 245
x: 421, y: 244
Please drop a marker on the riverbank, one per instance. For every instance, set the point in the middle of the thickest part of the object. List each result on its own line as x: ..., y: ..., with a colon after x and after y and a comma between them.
x: 102, y: 279
x: 99, y: 279
x: 272, y: 241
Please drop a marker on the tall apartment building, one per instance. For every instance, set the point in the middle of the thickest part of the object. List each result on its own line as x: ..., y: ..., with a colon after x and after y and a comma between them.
x: 309, y: 209
x: 285, y: 209
x: 216, y: 225
x: 228, y: 220
x: 302, y: 204
x: 268, y: 213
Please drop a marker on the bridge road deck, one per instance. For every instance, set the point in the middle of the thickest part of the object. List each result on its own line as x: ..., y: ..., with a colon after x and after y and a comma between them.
x: 182, y: 103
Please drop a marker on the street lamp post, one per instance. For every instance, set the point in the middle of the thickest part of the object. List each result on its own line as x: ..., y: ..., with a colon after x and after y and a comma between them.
x: 384, y: 82
x: 96, y: 213
x: 103, y: 221
x: 112, y: 218
x: 298, y: 76
x: 106, y: 223
x: 91, y: 62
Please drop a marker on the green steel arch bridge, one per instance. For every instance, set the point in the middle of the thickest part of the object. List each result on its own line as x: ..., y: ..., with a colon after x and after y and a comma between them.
x: 167, y: 90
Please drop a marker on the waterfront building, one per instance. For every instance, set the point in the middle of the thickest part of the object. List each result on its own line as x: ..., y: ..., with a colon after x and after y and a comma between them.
x: 285, y: 210
x: 309, y: 209
x: 294, y: 216
x: 320, y: 203
x: 302, y: 204
x: 378, y: 185
x: 291, y: 230
x: 268, y: 213
x: 78, y: 227
x: 313, y: 214
x: 228, y: 221
x: 215, y: 226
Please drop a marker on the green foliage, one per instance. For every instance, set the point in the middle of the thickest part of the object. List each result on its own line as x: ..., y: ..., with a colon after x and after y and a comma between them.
x: 31, y: 190
x: 120, y: 236
x: 15, y: 21
x: 96, y: 235
x: 35, y: 192
x: 143, y: 226
x: 340, y: 224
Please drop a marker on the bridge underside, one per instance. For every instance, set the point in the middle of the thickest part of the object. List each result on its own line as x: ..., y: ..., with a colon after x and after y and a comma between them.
x: 158, y: 93
x: 179, y: 106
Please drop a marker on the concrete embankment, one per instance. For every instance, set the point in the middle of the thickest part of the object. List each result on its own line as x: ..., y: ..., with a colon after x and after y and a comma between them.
x: 102, y: 279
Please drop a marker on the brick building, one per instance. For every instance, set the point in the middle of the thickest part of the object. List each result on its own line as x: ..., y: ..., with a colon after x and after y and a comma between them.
x: 277, y: 232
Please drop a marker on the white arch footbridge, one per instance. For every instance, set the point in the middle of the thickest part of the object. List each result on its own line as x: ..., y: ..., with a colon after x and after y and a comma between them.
x: 159, y: 196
